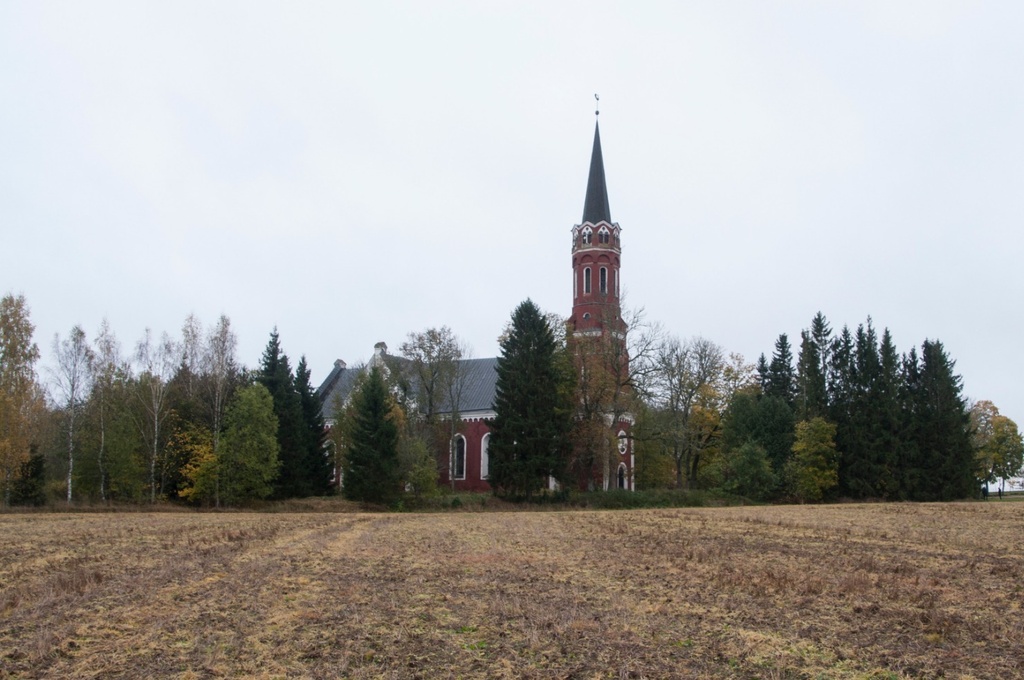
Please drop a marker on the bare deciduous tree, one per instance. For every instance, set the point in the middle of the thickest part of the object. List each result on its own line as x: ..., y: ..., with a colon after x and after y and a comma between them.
x: 614, y: 368
x: 687, y: 392
x: 436, y: 359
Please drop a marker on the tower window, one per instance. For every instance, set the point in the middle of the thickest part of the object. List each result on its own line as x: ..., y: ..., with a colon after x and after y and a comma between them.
x: 587, y: 236
x: 604, y: 281
x: 586, y: 281
x: 603, y: 236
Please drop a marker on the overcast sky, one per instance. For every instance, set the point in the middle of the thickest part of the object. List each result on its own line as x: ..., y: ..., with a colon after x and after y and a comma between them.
x: 352, y: 172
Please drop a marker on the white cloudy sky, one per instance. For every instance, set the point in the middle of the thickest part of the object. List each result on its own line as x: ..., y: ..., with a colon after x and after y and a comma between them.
x: 352, y: 172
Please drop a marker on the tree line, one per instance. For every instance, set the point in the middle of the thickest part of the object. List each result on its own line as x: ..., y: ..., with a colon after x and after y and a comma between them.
x: 847, y: 417
x: 176, y: 419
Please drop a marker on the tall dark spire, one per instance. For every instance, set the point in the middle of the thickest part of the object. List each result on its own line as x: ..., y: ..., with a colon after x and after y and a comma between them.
x: 595, y: 208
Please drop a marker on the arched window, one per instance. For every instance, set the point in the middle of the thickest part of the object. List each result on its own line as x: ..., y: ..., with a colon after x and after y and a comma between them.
x: 586, y: 281
x: 603, y: 236
x: 616, y: 283
x: 459, y: 464
x: 574, y: 293
x: 587, y: 236
x: 623, y: 443
x: 604, y: 281
x: 622, y: 475
x: 485, y: 459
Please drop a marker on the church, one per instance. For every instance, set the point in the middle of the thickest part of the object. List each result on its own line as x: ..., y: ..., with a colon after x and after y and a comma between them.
x: 596, y: 257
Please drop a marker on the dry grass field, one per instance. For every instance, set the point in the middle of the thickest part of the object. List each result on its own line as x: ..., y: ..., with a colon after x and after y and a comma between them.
x: 869, y: 591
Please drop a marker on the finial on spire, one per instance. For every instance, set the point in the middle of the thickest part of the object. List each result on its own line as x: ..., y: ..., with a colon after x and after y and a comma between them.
x: 597, y: 106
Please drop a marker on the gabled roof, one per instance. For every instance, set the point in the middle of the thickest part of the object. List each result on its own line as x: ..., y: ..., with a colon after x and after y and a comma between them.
x: 478, y: 389
x: 595, y: 207
x: 480, y: 380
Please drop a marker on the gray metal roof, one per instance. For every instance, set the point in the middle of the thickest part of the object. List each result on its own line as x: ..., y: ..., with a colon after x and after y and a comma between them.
x: 478, y: 387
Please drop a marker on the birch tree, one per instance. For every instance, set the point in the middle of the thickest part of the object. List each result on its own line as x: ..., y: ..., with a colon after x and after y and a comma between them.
x: 191, y: 353
x: 109, y: 372
x: 156, y: 362
x: 221, y: 367
x: 72, y: 377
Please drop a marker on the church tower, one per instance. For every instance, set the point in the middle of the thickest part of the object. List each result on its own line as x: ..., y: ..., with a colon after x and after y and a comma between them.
x: 598, y: 340
x: 596, y: 255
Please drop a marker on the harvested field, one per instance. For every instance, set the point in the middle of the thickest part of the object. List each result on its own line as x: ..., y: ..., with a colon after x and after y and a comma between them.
x: 865, y: 591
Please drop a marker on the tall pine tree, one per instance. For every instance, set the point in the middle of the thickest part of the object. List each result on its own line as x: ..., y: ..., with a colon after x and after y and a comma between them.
x: 781, y: 379
x: 276, y: 375
x: 533, y: 416
x: 858, y: 471
x: 371, y: 469
x: 942, y: 429
x: 887, y: 428
x: 811, y: 389
x: 317, y: 464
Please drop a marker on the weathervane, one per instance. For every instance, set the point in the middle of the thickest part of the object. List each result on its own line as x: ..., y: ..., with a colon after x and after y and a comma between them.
x: 597, y: 106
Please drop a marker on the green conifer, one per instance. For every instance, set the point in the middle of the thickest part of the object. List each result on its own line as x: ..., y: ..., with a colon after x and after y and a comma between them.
x: 317, y: 464
x: 371, y: 470
x: 276, y: 375
x: 533, y: 413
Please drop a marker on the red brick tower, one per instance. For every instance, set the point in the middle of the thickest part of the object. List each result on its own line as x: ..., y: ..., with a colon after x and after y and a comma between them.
x: 598, y: 339
x: 596, y: 254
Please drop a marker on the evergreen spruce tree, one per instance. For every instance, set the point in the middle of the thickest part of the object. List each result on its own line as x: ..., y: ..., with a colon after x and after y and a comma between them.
x: 763, y: 373
x: 859, y: 470
x: 841, y: 377
x: 276, y: 375
x: 811, y: 389
x: 887, y: 435
x: 371, y: 469
x: 942, y: 430
x: 317, y: 467
x: 533, y: 414
x: 821, y: 334
x: 909, y: 466
x: 781, y: 379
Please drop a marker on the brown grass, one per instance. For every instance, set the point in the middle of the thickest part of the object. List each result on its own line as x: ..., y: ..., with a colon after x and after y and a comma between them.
x: 870, y: 591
